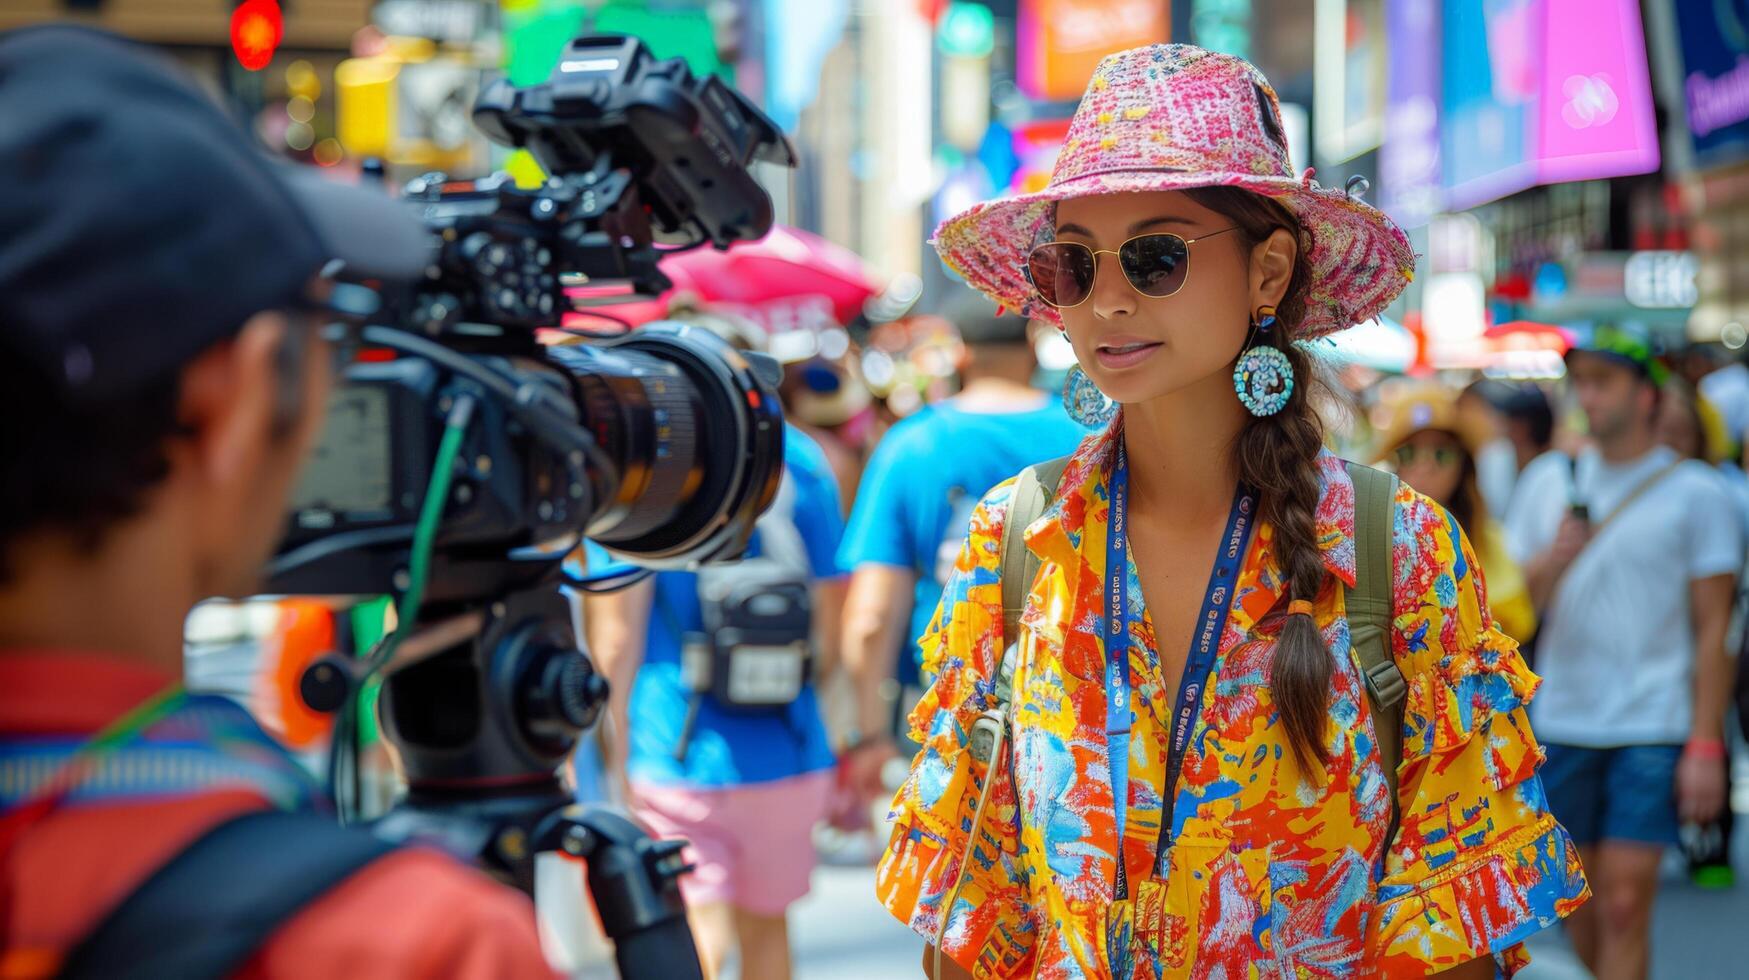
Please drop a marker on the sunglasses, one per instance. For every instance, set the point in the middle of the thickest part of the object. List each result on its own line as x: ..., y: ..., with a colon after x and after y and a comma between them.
x: 1156, y: 265
x: 1444, y: 456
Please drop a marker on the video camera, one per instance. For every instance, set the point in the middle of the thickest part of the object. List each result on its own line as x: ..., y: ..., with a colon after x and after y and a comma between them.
x: 464, y: 460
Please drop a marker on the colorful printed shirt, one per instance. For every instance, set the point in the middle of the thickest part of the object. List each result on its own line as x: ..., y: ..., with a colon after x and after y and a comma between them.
x: 1274, y: 871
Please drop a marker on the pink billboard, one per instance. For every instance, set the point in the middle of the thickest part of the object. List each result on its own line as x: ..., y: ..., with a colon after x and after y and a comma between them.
x: 1596, y: 109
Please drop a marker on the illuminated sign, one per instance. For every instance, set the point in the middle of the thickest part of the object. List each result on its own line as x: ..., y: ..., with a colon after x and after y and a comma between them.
x: 1661, y: 280
x: 1060, y: 42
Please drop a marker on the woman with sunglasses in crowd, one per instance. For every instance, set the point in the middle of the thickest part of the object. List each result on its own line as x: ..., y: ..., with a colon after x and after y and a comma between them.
x: 1433, y: 446
x: 1184, y: 639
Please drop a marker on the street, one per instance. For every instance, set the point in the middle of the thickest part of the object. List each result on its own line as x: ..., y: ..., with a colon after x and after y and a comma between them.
x: 840, y: 932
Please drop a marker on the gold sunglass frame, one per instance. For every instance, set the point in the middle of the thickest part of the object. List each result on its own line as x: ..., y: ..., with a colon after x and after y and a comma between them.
x: 1097, y: 252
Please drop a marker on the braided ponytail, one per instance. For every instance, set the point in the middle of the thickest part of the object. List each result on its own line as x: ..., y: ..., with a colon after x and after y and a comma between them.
x: 1278, y: 456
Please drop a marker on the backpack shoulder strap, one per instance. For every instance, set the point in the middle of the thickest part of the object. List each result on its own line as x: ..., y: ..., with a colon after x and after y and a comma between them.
x: 1369, y: 615
x: 1027, y: 502
x: 779, y: 537
x: 204, y: 912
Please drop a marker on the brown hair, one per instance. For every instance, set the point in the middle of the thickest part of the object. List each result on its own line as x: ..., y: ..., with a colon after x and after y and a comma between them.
x: 1278, y: 457
x: 1687, y: 398
x: 1468, y: 493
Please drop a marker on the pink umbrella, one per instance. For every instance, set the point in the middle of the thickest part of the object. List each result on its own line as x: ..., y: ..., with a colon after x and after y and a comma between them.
x: 788, y: 280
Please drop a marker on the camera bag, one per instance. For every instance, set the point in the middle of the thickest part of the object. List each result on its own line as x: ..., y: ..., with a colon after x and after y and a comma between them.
x: 756, y: 650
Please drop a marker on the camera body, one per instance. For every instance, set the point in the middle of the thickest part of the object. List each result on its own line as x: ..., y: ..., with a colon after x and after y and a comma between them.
x: 663, y: 446
x: 366, y: 480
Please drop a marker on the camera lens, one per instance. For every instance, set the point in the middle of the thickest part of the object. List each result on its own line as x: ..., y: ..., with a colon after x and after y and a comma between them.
x: 695, y: 433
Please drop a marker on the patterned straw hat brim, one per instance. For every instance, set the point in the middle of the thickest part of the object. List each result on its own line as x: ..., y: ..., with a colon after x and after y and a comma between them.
x: 1175, y: 117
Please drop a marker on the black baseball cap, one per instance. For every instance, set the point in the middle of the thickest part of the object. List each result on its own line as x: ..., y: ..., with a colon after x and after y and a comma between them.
x: 140, y: 224
x: 981, y: 322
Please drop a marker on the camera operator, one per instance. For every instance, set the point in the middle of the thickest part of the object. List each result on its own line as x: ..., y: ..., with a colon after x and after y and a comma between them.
x: 162, y: 375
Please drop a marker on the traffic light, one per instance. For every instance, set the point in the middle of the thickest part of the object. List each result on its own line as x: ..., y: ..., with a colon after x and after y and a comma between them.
x: 256, y: 28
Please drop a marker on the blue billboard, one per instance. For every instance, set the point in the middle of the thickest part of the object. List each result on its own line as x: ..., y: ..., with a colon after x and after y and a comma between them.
x: 1715, y: 83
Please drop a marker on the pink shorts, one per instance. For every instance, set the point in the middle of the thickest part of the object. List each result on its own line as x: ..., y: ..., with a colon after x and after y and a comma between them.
x: 753, y: 845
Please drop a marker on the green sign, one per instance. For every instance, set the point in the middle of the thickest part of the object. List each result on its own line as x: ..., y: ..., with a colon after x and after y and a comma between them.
x: 536, y: 32
x: 671, y: 31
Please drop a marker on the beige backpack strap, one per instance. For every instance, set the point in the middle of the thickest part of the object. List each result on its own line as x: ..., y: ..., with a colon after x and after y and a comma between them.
x: 1370, y: 619
x: 1030, y: 498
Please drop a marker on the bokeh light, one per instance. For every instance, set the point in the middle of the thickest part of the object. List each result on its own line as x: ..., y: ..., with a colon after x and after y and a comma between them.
x: 328, y: 152
x: 299, y: 136
x: 301, y: 80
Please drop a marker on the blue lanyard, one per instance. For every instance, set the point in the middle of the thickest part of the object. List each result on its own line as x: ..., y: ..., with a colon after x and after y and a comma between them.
x: 1212, y: 622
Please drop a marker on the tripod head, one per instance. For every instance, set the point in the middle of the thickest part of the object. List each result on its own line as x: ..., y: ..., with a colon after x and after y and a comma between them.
x: 482, y: 721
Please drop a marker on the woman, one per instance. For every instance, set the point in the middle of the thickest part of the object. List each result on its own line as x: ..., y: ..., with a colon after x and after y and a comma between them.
x: 1273, y: 859
x: 1691, y: 425
x: 1434, y: 448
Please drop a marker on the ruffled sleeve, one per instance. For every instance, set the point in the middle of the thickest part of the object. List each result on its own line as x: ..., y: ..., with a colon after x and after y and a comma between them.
x: 990, y: 926
x: 1478, y: 863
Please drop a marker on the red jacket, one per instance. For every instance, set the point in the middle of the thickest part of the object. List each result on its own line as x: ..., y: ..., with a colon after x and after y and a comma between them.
x: 413, y: 914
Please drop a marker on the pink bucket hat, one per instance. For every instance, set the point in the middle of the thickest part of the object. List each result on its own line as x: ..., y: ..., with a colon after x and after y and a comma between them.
x: 1169, y: 117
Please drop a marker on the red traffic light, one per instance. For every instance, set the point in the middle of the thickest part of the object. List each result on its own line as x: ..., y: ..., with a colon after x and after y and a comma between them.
x: 256, y: 27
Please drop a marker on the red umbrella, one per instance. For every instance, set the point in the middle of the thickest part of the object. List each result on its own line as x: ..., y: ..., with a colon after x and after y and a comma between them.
x: 1529, y: 335
x: 788, y: 280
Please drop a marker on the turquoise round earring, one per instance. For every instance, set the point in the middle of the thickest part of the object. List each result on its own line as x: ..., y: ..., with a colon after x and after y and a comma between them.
x: 1084, y: 401
x: 1264, y: 377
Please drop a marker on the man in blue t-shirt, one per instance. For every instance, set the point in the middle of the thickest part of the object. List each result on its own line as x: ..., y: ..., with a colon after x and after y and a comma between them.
x: 748, y: 785
x: 914, y: 508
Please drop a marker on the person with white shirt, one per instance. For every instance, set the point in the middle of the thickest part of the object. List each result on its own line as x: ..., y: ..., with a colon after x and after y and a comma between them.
x: 1728, y: 389
x: 1632, y: 554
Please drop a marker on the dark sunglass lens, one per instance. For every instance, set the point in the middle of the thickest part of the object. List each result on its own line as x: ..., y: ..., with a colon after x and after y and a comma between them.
x: 1062, y: 273
x: 1154, y: 264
